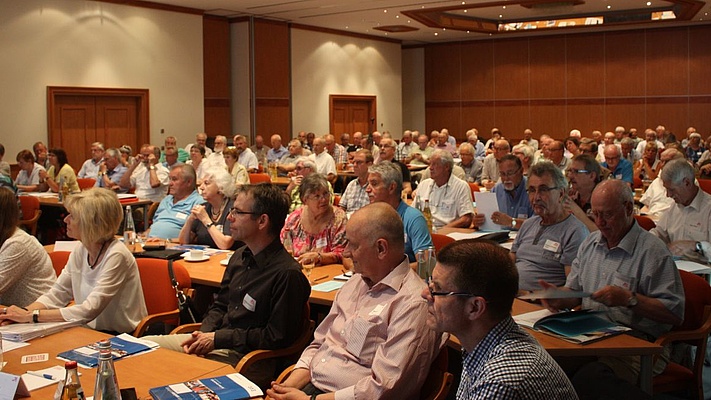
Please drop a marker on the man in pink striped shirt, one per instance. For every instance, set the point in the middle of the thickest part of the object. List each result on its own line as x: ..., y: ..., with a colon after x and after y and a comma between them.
x: 374, y: 343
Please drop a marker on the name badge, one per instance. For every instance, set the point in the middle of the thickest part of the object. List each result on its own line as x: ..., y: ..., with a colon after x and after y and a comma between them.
x: 322, y: 243
x: 551, y: 246
x: 249, y: 303
x: 377, y: 310
x: 180, y: 215
x: 623, y: 281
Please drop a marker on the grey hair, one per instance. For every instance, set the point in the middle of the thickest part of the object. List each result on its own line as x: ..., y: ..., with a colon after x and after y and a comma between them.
x: 307, y: 162
x: 113, y: 152
x: 223, y: 180
x: 311, y: 184
x: 548, y: 168
x: 445, y: 158
x: 676, y: 171
x: 467, y: 146
x: 389, y: 172
x: 525, y: 149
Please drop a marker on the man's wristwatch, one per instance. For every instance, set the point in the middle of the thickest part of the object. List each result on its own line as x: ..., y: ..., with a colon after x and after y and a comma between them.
x: 699, y: 249
x: 513, y: 223
x: 152, y: 167
x: 633, y: 300
x: 35, y: 316
x: 210, y: 225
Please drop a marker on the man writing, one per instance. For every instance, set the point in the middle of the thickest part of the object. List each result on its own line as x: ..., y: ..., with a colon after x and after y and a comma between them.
x: 374, y: 343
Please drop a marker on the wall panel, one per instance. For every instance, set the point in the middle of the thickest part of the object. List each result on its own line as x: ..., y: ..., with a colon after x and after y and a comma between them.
x: 443, y: 75
x: 216, y: 64
x: 589, y: 82
x: 271, y: 78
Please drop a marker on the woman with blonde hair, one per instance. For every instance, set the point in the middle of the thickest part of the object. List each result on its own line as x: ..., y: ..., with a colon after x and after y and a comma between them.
x: 207, y: 223
x: 237, y: 170
x: 101, y: 275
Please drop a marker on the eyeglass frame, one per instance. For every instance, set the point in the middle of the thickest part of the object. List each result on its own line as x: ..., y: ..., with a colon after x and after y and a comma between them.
x: 541, y: 189
x: 434, y: 293
x: 578, y: 171
x: 234, y: 211
x: 509, y: 174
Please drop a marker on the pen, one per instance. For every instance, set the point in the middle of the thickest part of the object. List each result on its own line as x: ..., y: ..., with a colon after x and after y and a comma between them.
x: 46, y: 376
x: 320, y: 277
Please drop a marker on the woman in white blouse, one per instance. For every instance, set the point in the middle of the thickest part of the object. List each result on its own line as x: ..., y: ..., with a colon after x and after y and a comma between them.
x: 101, y: 275
x: 25, y: 268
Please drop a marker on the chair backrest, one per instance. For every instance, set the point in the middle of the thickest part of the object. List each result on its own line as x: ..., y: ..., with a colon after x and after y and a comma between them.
x: 86, y: 183
x: 705, y: 185
x: 30, y: 213
x: 157, y: 289
x: 474, y: 188
x: 438, y: 381
x: 59, y: 260
x: 439, y: 241
x: 698, y: 296
x: 151, y: 213
x: 637, y: 182
x: 645, y: 222
x: 258, y: 178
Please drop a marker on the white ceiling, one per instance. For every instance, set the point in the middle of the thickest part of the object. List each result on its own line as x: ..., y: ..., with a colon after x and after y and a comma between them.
x: 361, y: 16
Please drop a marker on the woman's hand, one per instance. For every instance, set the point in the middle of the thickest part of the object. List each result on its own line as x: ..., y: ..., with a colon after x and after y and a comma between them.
x: 311, y: 255
x: 200, y: 213
x: 12, y: 314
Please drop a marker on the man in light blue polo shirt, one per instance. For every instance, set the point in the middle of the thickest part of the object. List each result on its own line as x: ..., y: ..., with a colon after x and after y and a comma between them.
x: 175, y: 208
x: 618, y: 166
x: 511, y: 196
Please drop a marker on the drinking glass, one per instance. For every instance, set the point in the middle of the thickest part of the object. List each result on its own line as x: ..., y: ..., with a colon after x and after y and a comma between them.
x: 308, y: 266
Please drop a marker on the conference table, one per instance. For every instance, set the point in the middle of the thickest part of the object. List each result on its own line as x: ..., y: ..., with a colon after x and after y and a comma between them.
x: 142, y: 372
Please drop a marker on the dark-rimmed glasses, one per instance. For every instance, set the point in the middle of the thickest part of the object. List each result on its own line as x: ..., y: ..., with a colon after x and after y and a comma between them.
x: 234, y: 211
x: 540, y: 190
x: 434, y: 293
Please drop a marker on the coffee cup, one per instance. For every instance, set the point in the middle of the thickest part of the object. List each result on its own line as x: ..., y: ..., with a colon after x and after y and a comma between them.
x: 197, y: 254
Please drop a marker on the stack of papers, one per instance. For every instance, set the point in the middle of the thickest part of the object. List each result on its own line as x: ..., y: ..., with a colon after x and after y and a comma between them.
x: 580, y: 327
x: 25, y: 332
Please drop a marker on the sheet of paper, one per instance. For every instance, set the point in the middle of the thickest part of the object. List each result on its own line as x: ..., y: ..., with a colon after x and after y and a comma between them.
x: 486, y: 205
x: 328, y: 286
x: 33, y: 382
x: 8, y: 345
x: 530, y: 318
x: 693, y: 267
x: 65, y: 245
x: 471, y: 235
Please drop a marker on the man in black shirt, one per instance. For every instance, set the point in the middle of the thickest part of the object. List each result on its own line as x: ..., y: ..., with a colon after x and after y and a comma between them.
x: 262, y: 295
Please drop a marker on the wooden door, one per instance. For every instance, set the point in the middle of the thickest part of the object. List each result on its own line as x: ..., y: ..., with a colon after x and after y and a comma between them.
x: 350, y: 114
x: 81, y: 116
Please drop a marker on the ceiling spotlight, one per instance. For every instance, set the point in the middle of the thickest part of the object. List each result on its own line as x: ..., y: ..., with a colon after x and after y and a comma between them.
x: 397, y: 16
x: 501, y: 16
x: 465, y: 10
x: 649, y: 3
x: 385, y: 11
x: 436, y: 34
x: 504, y: 7
x: 609, y: 7
x: 464, y: 2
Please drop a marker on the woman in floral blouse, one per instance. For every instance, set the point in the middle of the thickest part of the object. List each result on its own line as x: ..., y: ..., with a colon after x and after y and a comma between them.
x: 317, y: 229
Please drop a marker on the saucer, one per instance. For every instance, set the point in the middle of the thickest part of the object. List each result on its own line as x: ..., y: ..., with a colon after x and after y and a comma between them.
x: 205, y: 257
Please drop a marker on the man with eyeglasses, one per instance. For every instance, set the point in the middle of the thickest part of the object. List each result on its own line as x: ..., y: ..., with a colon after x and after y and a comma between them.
x: 555, y: 153
x: 490, y: 171
x: 584, y: 174
x: 470, y: 295
x: 374, y: 343
x: 618, y: 166
x: 91, y: 167
x: 355, y: 196
x: 287, y: 163
x: 261, y: 299
x: 511, y: 196
x: 387, y: 153
x: 633, y: 280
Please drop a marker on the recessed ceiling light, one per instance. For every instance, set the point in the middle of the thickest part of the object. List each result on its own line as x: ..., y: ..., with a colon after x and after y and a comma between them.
x: 385, y: 11
x: 465, y: 10
x: 464, y: 2
x: 501, y: 16
x: 609, y: 7
x: 504, y: 7
x: 397, y: 16
x: 649, y: 3
x: 436, y: 34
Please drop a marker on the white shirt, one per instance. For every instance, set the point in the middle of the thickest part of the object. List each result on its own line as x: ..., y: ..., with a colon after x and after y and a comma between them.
x: 208, y: 150
x: 90, y: 169
x: 141, y: 180
x: 215, y: 160
x: 447, y: 202
x: 29, y: 179
x: 248, y: 159
x: 641, y: 146
x: 324, y: 163
x: 690, y: 222
x: 655, y: 198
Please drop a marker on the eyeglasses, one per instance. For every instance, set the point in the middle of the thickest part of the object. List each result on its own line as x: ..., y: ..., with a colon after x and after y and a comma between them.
x: 318, y: 197
x: 234, y: 212
x: 540, y: 190
x: 505, y: 174
x: 578, y: 171
x: 434, y: 294
x: 602, y: 215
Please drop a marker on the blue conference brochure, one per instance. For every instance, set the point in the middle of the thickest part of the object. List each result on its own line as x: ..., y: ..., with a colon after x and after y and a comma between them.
x: 233, y: 387
x: 122, y: 346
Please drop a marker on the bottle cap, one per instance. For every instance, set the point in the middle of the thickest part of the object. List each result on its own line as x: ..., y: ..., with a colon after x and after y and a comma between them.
x: 70, y: 365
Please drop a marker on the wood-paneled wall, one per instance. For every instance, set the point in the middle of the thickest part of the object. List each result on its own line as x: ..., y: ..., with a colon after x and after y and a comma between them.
x: 216, y: 76
x: 272, y: 79
x: 553, y: 84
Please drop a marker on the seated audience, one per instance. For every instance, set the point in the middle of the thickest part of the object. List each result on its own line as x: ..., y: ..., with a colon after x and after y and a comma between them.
x: 384, y: 185
x: 355, y: 196
x: 471, y: 166
x: 655, y: 198
x: 572, y: 147
x: 25, y: 267
x: 246, y: 156
x: 645, y: 291
x: 101, y: 276
x: 237, y: 171
x: 207, y: 223
x: 325, y: 164
x: 490, y: 169
x: 180, y: 154
x: 420, y: 155
x: 511, y: 196
x: 127, y: 158
x: 584, y: 174
x: 688, y: 222
x: 619, y: 167
x: 695, y: 149
x: 147, y: 175
x: 277, y: 151
x: 317, y: 228
x: 650, y: 136
x: 41, y: 154
x: 175, y: 208
x: 405, y: 146
x: 450, y: 198
x: 304, y: 167
x: 374, y: 343
x: 171, y: 158
x: 547, y: 243
x: 91, y: 167
x: 525, y: 153
x: 111, y: 171
x: 387, y: 153
x: 554, y: 152
x: 470, y: 295
x: 629, y: 153
x: 200, y: 140
x: 28, y: 179
x: 217, y: 158
x: 258, y: 148
x: 287, y: 163
x: 261, y: 298
x: 59, y: 172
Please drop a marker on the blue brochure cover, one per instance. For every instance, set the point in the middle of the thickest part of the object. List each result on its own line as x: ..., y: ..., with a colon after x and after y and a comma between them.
x: 232, y: 387
x: 121, y: 346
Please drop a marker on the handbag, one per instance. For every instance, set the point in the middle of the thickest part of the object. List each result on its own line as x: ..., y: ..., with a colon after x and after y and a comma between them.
x: 186, y: 306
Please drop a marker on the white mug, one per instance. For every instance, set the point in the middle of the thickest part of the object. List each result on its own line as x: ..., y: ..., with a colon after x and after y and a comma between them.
x: 197, y: 254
